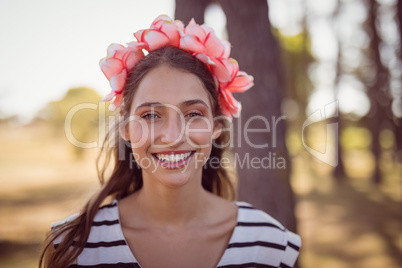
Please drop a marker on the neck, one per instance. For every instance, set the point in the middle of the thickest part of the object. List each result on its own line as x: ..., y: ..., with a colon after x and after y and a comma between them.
x: 176, y: 206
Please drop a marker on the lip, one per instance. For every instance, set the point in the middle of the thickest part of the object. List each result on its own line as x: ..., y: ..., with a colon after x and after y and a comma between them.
x: 174, y: 152
x: 175, y: 165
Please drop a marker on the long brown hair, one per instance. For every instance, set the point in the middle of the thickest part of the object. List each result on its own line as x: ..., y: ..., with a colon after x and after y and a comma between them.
x: 126, y: 178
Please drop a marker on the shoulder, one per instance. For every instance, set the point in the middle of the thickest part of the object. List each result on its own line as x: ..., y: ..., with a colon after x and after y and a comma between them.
x: 260, y: 238
x: 104, y: 212
x: 250, y: 214
x: 64, y: 221
x: 106, y: 215
x: 105, y: 243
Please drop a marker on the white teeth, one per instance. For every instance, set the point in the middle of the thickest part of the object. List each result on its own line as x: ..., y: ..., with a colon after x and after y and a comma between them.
x: 172, y: 157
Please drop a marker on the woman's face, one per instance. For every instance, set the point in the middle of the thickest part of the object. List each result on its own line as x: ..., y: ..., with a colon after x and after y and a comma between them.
x: 171, y: 127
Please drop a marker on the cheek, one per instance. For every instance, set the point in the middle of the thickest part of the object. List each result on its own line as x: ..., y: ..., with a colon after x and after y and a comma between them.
x: 200, y: 133
x: 139, y: 134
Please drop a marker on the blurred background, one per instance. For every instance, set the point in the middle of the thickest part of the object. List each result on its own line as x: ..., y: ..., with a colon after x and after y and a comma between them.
x: 333, y: 68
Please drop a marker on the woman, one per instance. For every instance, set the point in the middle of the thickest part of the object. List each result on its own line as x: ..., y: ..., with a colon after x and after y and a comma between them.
x: 172, y: 208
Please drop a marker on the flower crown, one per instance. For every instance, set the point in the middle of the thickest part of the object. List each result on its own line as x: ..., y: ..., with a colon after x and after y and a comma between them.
x: 200, y: 41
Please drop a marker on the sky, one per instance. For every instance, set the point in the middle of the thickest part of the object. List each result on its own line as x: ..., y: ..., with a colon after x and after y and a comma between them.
x: 50, y: 46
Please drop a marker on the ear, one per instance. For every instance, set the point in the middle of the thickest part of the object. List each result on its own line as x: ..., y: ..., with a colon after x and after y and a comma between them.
x: 217, y: 130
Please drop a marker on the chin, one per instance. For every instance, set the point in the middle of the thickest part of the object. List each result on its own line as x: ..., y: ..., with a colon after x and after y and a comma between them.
x: 175, y: 180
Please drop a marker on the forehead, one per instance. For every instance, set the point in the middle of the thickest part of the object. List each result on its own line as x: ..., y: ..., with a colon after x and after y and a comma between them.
x: 169, y: 85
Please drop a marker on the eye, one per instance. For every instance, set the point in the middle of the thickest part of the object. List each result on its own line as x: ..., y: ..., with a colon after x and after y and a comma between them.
x: 194, y: 114
x: 149, y: 116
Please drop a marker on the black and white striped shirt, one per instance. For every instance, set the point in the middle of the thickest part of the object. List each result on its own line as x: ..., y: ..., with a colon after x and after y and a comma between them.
x: 258, y: 240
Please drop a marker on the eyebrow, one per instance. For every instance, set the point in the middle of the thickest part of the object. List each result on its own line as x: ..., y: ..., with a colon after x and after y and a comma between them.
x: 192, y: 102
x: 184, y: 103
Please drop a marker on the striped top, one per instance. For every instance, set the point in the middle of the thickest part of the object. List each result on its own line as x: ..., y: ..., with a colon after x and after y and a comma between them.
x: 258, y: 240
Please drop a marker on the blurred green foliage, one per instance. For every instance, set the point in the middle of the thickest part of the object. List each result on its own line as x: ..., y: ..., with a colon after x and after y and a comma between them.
x: 387, y: 139
x: 78, y: 105
x: 296, y: 59
x: 355, y: 138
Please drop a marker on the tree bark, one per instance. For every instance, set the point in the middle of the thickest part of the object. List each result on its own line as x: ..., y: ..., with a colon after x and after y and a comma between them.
x: 339, y: 170
x: 378, y: 92
x: 398, y: 121
x: 187, y: 9
x: 399, y: 14
x: 257, y: 51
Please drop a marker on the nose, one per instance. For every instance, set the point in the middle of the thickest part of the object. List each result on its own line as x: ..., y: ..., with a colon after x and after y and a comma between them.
x: 172, y: 132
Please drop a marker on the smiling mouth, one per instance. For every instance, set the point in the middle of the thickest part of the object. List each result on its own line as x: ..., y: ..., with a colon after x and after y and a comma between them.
x: 173, y: 158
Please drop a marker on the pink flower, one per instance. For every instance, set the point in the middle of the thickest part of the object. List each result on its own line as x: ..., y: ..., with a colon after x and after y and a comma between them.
x: 225, y: 70
x: 117, y: 64
x: 199, y: 40
x: 229, y: 105
x: 202, y: 39
x: 239, y: 81
x: 163, y: 32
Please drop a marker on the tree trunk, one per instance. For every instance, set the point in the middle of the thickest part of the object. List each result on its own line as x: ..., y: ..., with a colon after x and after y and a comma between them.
x: 257, y: 51
x: 399, y: 14
x: 339, y: 170
x: 187, y: 9
x: 377, y: 91
x: 398, y: 121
